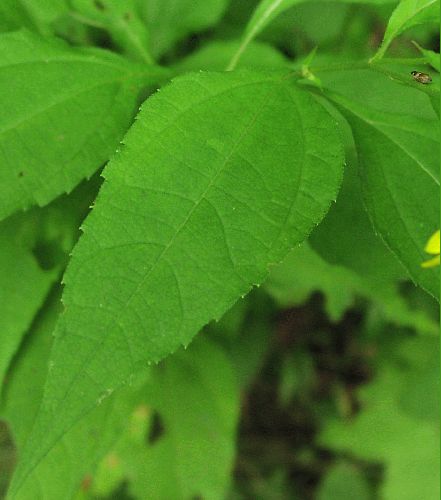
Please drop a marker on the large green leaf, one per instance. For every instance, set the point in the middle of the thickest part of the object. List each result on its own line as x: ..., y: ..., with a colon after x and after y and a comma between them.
x: 396, y: 135
x: 219, y: 177
x: 64, y: 112
x: 196, y: 403
x: 63, y: 469
x: 408, y: 13
x: 171, y: 20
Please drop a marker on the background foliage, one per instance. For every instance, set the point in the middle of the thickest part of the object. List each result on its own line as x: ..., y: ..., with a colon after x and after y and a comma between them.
x: 279, y: 210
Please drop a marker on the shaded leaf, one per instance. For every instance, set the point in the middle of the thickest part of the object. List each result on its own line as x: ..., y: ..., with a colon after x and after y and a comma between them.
x: 384, y: 431
x: 169, y: 21
x: 33, y: 251
x: 397, y: 140
x: 196, y: 405
x: 267, y: 11
x: 344, y: 481
x: 37, y: 15
x: 122, y: 20
x: 23, y: 288
x: 303, y: 272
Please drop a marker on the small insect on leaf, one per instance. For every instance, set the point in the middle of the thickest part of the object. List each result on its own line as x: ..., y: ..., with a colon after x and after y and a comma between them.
x: 421, y: 77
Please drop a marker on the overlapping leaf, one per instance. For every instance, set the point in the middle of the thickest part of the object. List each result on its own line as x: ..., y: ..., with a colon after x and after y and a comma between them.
x: 396, y: 135
x: 64, y: 112
x: 220, y: 176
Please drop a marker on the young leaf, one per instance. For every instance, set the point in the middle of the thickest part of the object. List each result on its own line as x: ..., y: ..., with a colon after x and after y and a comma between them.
x: 70, y: 110
x: 408, y: 13
x: 220, y: 176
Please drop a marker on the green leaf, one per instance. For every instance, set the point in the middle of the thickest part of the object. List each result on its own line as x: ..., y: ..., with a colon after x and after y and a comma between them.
x: 397, y: 141
x: 70, y: 110
x: 122, y: 20
x: 357, y: 247
x: 220, y: 176
x: 267, y: 11
x: 344, y: 481
x: 384, y: 431
x: 246, y: 331
x: 304, y: 272
x: 197, y: 405
x: 430, y: 56
x: 63, y: 469
x: 33, y: 251
x: 408, y: 13
x: 37, y: 15
x: 23, y: 287
x: 169, y: 21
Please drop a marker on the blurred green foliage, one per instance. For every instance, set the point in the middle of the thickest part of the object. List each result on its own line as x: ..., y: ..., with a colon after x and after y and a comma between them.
x: 322, y: 384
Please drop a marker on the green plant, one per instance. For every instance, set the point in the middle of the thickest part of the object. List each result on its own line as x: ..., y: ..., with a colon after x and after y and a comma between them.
x: 237, y: 153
